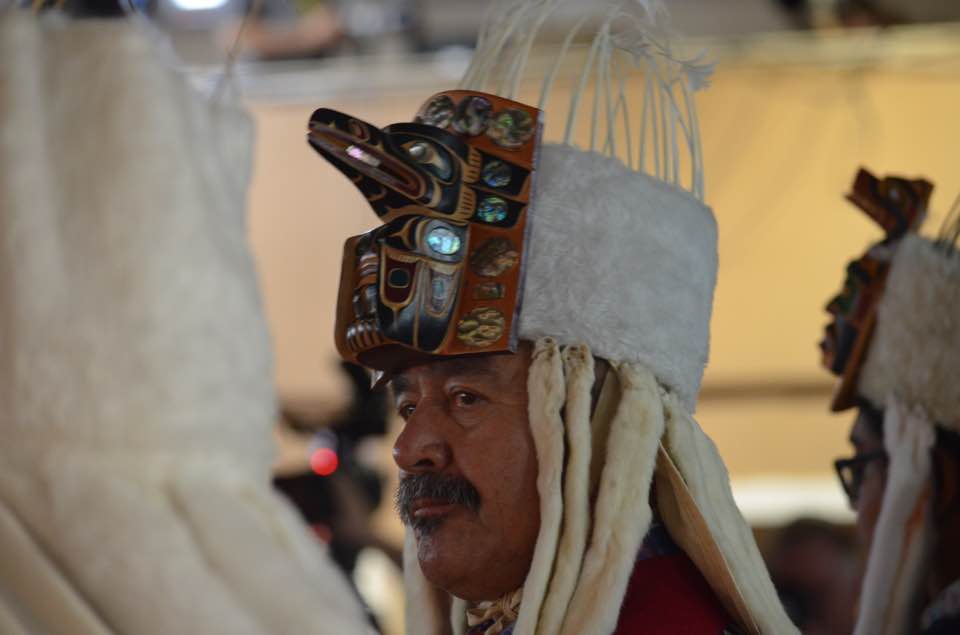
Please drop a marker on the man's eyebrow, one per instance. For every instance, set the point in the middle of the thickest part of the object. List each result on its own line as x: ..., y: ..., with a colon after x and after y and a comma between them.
x: 399, y: 383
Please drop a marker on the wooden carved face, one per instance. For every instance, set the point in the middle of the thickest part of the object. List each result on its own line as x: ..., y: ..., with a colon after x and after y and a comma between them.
x: 441, y: 276
x: 898, y: 205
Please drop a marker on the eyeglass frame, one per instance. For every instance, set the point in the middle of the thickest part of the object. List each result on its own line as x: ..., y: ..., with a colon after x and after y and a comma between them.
x: 856, y: 465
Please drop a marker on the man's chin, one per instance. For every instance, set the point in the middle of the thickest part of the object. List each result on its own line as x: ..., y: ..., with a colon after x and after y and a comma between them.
x: 442, y: 546
x: 432, y: 536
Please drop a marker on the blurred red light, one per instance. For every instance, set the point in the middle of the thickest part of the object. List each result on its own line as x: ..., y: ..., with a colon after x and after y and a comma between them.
x: 324, y: 461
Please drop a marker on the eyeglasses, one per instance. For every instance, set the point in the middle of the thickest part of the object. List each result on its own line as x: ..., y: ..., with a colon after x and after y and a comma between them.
x: 850, y: 471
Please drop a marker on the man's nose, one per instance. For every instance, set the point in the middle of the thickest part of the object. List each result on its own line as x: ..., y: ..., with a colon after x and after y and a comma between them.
x: 421, y: 446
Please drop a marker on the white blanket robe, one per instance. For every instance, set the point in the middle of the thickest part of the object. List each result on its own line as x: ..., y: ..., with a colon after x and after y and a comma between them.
x: 136, y: 392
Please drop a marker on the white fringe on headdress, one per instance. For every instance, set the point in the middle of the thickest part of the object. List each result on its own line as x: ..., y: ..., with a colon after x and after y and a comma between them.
x: 579, y: 371
x: 621, y: 515
x: 659, y: 136
x: 893, y: 583
x: 547, y: 394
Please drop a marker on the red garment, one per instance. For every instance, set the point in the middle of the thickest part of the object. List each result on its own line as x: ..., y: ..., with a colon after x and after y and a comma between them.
x: 667, y: 595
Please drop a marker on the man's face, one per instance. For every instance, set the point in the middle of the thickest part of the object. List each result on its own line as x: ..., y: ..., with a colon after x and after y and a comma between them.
x: 468, y: 472
x: 867, y: 505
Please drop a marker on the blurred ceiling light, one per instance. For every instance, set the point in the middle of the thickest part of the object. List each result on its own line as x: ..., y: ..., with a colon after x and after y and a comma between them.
x: 198, y: 5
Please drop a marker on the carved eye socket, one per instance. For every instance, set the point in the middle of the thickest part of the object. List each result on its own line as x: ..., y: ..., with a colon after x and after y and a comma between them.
x: 398, y: 278
x: 430, y: 158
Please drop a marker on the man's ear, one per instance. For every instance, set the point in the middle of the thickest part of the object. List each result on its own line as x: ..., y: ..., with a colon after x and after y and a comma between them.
x: 946, y: 472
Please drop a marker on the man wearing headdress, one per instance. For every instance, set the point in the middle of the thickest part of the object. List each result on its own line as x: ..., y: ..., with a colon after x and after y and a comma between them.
x: 895, y: 343
x: 542, y: 314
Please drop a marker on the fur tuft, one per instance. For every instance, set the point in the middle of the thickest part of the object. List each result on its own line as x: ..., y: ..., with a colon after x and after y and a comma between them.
x: 623, y: 263
x: 546, y: 388
x: 622, y: 514
x: 915, y: 351
x: 579, y: 371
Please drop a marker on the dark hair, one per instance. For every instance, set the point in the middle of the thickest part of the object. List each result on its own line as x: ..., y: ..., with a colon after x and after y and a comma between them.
x: 873, y: 417
x: 946, y: 440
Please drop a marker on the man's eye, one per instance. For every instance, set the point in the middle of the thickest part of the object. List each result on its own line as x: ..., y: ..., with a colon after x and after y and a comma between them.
x: 463, y: 398
x: 406, y: 411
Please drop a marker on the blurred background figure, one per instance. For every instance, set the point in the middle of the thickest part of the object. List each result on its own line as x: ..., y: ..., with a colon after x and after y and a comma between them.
x: 331, y: 467
x: 343, y: 485
x: 814, y: 566
x: 278, y: 29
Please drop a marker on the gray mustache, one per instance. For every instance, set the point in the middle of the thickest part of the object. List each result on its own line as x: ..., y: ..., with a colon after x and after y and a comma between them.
x: 454, y: 490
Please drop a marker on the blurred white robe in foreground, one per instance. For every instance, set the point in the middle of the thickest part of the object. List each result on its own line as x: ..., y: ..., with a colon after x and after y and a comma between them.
x: 136, y: 397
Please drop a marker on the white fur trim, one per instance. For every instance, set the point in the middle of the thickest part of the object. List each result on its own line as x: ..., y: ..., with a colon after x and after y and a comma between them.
x: 545, y: 385
x: 136, y: 387
x: 915, y: 351
x: 578, y: 367
x: 623, y: 263
x: 892, y: 590
x: 39, y: 599
x: 622, y: 512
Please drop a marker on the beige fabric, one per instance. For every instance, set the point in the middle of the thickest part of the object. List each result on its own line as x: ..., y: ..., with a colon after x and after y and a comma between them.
x: 39, y: 592
x: 136, y: 388
x: 9, y: 622
x: 689, y: 530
